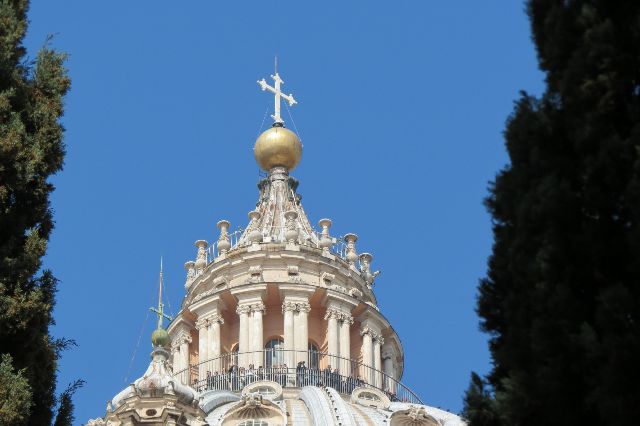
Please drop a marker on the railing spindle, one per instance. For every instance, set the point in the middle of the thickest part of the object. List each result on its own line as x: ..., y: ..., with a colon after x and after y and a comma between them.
x: 233, y: 377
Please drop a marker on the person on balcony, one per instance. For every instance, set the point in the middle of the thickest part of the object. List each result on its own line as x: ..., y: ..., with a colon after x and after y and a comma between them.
x: 326, y: 376
x: 350, y: 384
x: 207, y: 384
x: 242, y: 376
x: 233, y: 377
x: 301, y: 372
x: 282, y: 375
x: 260, y: 375
x: 215, y: 381
x: 250, y: 375
x: 336, y: 379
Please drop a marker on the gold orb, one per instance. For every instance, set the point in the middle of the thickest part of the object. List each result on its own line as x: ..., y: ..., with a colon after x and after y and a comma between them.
x: 160, y: 337
x: 277, y: 146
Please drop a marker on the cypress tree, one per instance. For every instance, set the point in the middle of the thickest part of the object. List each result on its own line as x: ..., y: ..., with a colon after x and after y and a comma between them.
x: 65, y: 416
x: 15, y: 394
x: 31, y: 150
x: 561, y: 299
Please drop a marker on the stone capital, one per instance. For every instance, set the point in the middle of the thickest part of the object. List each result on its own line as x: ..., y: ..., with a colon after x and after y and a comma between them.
x: 202, y: 324
x: 288, y: 307
x: 304, y: 307
x: 207, y: 321
x: 297, y: 306
x: 181, y: 338
x: 338, y: 314
x: 258, y: 307
x: 371, y: 332
x: 331, y: 314
x: 215, y: 318
x: 346, y: 318
x: 243, y: 309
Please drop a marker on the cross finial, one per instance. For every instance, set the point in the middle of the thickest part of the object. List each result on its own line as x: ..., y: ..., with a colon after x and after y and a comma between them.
x: 277, y: 118
x: 160, y: 310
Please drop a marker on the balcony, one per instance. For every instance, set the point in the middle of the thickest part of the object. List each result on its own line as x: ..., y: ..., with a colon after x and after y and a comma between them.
x: 234, y: 371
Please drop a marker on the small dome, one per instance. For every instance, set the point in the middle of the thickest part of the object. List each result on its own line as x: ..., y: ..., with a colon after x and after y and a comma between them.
x: 277, y: 146
x: 160, y: 337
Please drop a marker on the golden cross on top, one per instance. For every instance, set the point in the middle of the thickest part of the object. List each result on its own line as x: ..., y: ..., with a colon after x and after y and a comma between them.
x: 278, y: 94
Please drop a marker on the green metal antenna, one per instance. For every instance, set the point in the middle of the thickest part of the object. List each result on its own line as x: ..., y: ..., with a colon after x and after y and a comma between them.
x: 160, y: 310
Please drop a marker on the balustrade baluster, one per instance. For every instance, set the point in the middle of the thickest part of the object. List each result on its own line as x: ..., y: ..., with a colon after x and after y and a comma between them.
x: 223, y: 373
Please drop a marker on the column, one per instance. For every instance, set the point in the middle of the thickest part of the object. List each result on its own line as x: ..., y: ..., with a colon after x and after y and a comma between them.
x: 243, y: 334
x: 332, y: 336
x: 377, y: 360
x: 367, y: 354
x: 257, y: 338
x: 184, y: 352
x: 288, y: 310
x: 301, y: 327
x: 176, y: 358
x: 214, y: 338
x: 180, y: 349
x: 345, y: 345
x: 387, y: 366
x: 202, y: 326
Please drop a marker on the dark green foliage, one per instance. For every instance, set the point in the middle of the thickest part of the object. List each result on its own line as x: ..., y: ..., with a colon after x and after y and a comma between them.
x: 479, y: 404
x: 65, y: 412
x: 561, y: 301
x: 31, y: 150
x: 15, y: 393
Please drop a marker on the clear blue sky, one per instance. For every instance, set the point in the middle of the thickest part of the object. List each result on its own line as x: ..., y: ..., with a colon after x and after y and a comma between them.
x: 401, y: 111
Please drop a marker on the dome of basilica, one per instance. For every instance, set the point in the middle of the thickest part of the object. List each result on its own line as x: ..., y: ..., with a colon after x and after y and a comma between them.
x: 279, y: 325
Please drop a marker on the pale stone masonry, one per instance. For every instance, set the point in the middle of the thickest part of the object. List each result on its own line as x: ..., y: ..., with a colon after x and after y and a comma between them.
x: 279, y: 324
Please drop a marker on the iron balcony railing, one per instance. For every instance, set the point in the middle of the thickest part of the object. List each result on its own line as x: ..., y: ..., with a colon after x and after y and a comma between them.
x: 233, y: 371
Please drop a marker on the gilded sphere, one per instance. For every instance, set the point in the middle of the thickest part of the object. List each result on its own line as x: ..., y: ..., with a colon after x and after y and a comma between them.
x: 277, y: 146
x: 160, y: 337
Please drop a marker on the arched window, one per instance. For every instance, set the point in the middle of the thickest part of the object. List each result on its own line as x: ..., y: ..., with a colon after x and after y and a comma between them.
x: 273, y: 353
x: 314, y: 355
x: 234, y: 354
